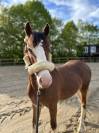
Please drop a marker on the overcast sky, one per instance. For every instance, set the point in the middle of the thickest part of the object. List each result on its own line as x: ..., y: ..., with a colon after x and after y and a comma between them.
x: 87, y: 10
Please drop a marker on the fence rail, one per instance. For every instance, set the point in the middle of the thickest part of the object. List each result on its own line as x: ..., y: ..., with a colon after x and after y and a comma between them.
x: 55, y: 60
x: 11, y: 62
x: 86, y: 59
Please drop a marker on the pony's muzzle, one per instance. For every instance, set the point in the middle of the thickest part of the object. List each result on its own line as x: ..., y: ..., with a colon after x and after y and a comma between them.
x: 44, y: 79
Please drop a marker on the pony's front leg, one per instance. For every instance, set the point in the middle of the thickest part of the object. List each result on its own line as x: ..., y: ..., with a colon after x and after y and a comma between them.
x: 53, y: 114
x: 34, y: 117
x: 81, y: 126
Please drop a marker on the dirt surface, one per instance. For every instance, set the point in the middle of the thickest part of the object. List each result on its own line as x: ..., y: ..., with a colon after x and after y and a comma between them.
x: 16, y: 111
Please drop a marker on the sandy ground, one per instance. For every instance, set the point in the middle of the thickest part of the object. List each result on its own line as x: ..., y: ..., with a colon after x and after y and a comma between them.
x: 16, y: 111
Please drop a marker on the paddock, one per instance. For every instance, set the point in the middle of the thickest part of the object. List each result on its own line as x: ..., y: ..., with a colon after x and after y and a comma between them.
x: 15, y: 106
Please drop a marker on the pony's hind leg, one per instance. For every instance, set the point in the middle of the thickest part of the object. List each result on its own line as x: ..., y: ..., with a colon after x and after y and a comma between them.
x: 81, y: 126
x: 83, y: 95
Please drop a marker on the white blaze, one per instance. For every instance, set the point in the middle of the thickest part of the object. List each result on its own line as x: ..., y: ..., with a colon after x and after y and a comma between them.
x: 44, y: 78
x: 39, y: 52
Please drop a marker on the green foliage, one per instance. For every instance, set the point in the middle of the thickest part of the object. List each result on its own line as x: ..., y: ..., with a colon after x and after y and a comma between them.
x: 56, y: 40
x: 66, y: 41
x: 80, y: 50
x: 12, y: 30
x: 88, y: 33
x: 69, y: 35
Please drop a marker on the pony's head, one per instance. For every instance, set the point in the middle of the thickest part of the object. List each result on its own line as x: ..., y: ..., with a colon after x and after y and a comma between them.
x: 37, y: 44
x: 37, y: 50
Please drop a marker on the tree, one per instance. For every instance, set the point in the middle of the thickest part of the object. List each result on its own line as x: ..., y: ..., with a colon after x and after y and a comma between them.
x: 69, y: 35
x: 12, y: 30
x: 56, y: 39
x: 88, y: 33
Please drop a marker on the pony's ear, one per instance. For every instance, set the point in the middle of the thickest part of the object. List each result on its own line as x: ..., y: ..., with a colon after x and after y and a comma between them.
x: 46, y: 29
x: 28, y: 29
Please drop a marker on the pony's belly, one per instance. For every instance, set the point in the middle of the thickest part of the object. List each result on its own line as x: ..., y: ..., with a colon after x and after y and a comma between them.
x: 69, y: 87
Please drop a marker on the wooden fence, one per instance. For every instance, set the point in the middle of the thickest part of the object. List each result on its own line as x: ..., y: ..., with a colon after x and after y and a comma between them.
x: 55, y: 60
